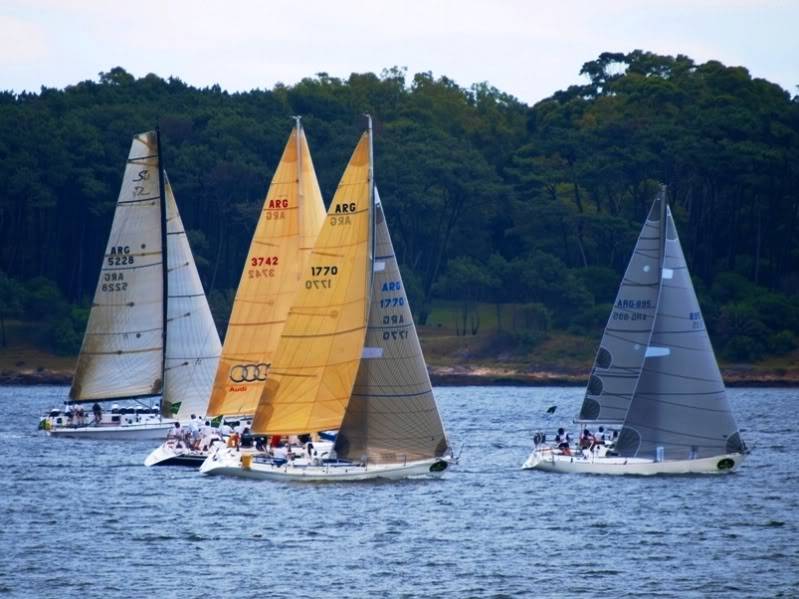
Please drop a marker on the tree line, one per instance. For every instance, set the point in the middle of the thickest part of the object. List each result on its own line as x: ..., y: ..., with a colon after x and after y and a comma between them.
x: 488, y: 199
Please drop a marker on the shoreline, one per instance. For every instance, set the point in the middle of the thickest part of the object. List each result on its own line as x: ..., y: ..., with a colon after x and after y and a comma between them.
x: 464, y: 376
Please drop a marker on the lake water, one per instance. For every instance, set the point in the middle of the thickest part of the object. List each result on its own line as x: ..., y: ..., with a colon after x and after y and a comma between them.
x: 86, y: 518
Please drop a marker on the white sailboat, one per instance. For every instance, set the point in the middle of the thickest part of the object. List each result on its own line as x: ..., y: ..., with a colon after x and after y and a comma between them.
x: 655, y: 375
x: 150, y: 331
x: 349, y: 358
x: 292, y: 214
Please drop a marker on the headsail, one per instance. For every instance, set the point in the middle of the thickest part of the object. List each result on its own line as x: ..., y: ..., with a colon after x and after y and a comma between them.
x: 122, y: 351
x: 192, y: 342
x: 392, y: 414
x: 290, y: 220
x: 320, y: 348
x: 618, y: 362
x: 680, y: 405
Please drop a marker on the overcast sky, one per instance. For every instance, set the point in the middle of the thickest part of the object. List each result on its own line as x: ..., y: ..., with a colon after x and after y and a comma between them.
x: 526, y: 48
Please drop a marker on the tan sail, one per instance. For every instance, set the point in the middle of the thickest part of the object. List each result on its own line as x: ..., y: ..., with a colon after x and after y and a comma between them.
x: 292, y: 215
x: 320, y: 348
x: 122, y: 351
x: 392, y: 415
x: 192, y: 342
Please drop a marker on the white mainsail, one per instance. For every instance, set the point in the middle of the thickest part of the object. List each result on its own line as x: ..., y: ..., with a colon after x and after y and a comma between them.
x: 192, y: 341
x: 122, y: 351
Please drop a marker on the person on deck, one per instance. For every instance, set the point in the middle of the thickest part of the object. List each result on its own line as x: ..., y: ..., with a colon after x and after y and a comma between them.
x: 97, y: 411
x: 563, y: 439
x: 599, y: 438
x: 175, y: 433
x: 246, y: 438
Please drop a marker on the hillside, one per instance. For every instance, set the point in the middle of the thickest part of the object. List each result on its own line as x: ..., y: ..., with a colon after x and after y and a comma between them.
x: 491, y: 356
x: 531, y: 211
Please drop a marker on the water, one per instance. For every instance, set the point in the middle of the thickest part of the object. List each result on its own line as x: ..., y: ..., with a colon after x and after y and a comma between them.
x: 85, y: 518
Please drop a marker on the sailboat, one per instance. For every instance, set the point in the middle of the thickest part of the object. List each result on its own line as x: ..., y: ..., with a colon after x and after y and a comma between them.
x: 349, y: 358
x: 292, y: 214
x: 150, y: 334
x: 655, y: 374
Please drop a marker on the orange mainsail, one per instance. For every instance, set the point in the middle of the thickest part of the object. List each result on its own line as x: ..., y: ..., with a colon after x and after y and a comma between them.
x: 292, y: 215
x: 321, y: 344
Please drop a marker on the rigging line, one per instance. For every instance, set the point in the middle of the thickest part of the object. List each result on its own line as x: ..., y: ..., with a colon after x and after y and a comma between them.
x: 686, y: 348
x: 620, y: 338
x: 122, y: 353
x: 702, y: 330
x: 123, y: 202
x: 131, y: 267
x: 123, y: 332
x: 631, y: 283
x: 679, y: 433
x: 392, y: 394
x: 680, y: 405
x: 133, y: 160
x: 255, y: 324
x: 679, y: 376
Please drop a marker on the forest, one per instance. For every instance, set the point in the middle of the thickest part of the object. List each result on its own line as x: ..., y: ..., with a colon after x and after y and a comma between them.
x: 531, y: 209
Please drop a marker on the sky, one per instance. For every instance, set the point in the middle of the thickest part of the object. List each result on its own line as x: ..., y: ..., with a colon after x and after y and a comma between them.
x: 529, y: 49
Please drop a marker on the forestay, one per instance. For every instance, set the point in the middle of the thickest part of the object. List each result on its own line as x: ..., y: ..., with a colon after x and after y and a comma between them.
x: 122, y: 351
x: 317, y: 358
x: 192, y: 342
x: 680, y: 408
x: 620, y: 357
x: 392, y: 415
x: 290, y: 220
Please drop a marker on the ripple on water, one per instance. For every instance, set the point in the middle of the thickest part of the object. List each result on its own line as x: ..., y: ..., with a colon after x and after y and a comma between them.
x: 90, y: 516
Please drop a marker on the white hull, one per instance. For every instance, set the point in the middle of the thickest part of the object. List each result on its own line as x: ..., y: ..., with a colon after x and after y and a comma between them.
x: 553, y: 461
x: 171, y: 453
x: 124, y: 432
x: 230, y: 464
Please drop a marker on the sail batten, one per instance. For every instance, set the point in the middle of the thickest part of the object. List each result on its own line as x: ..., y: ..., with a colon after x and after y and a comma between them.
x: 287, y: 228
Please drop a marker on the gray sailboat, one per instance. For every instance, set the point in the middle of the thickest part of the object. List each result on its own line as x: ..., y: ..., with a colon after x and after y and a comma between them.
x: 655, y: 374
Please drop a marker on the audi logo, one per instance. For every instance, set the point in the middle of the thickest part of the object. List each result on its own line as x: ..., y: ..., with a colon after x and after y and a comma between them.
x: 249, y: 373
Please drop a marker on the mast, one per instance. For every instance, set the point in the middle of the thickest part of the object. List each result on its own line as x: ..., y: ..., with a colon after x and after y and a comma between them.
x: 298, y: 145
x: 371, y: 201
x: 663, y: 228
x: 164, y: 261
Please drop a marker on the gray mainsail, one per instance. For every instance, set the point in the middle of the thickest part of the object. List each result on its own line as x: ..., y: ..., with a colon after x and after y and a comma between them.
x: 391, y: 415
x: 680, y: 408
x: 618, y: 361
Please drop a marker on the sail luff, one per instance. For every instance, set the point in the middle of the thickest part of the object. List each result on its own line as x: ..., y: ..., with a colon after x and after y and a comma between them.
x: 165, y: 267
x: 292, y: 214
x: 617, y: 364
x: 122, y: 351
